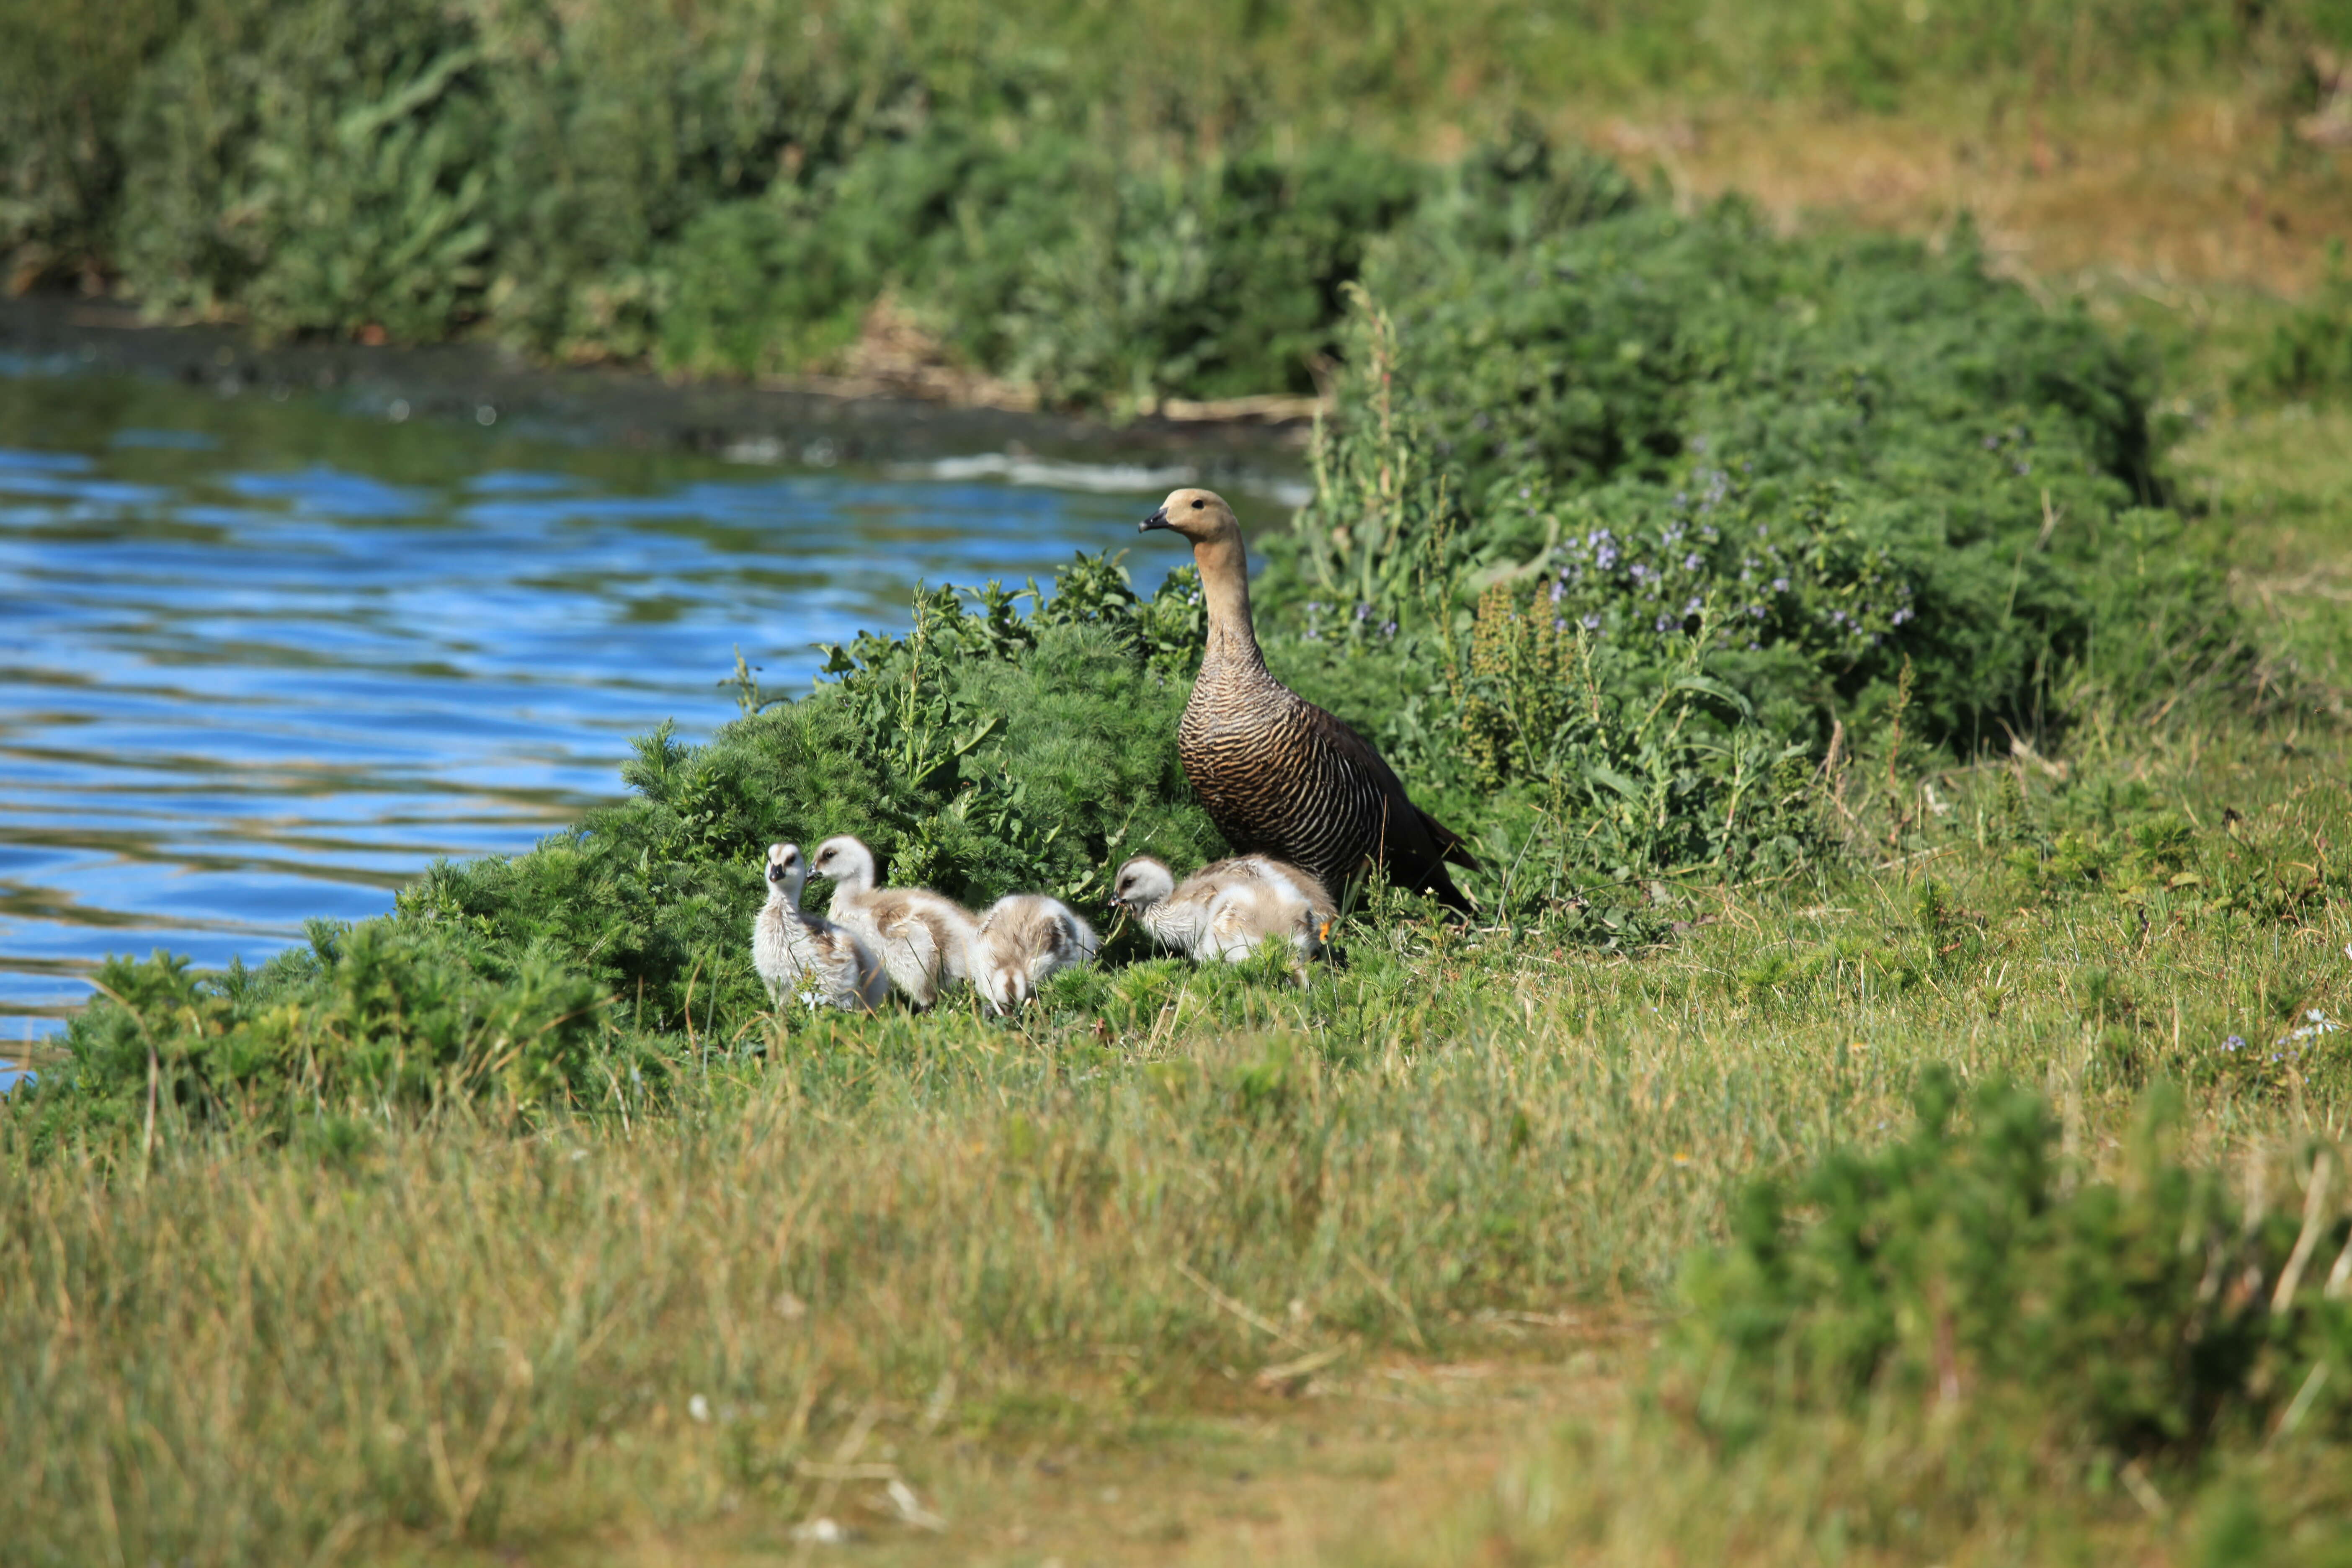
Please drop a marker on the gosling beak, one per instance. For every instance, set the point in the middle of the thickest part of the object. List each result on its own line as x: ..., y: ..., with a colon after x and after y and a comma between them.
x: 1158, y: 518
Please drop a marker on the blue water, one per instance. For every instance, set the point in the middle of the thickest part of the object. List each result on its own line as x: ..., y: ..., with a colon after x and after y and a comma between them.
x: 260, y: 663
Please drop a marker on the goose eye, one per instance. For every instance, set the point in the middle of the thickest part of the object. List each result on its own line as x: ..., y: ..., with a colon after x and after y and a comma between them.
x: 1198, y: 504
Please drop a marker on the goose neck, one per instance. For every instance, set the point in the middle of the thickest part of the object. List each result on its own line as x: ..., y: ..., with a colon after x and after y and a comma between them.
x: 1224, y: 589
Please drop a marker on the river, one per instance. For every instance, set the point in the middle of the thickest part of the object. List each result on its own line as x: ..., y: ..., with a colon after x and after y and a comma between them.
x: 265, y: 652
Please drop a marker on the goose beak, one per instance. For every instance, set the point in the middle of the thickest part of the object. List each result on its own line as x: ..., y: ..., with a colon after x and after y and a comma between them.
x: 1158, y: 518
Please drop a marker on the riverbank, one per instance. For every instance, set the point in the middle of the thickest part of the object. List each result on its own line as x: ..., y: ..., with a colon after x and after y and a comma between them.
x: 859, y: 424
x: 936, y: 200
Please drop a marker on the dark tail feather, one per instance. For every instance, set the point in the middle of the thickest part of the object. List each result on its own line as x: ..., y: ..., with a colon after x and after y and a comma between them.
x: 1453, y: 848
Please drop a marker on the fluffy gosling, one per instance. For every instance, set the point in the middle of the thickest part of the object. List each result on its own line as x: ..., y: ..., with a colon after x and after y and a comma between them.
x: 807, y: 955
x: 924, y: 940
x: 1226, y: 908
x: 1024, y: 938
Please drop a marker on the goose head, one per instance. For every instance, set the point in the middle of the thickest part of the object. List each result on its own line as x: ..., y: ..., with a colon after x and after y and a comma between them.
x: 847, y: 861
x: 1201, y: 516
x: 787, y: 872
x: 1142, y: 883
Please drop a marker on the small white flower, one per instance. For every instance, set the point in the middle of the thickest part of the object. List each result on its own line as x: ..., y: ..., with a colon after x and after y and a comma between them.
x: 699, y: 1408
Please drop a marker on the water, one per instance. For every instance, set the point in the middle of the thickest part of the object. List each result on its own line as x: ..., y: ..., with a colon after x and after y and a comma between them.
x: 261, y: 661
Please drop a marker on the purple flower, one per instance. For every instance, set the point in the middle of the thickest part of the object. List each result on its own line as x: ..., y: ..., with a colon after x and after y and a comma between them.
x: 2234, y: 1043
x: 1363, y: 612
x: 1779, y: 584
x: 1690, y: 562
x: 1592, y: 622
x: 1692, y: 607
x: 1387, y: 628
x: 1556, y: 590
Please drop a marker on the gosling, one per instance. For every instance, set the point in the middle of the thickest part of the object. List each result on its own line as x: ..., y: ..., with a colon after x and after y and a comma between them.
x: 1023, y: 939
x: 923, y: 940
x: 807, y: 955
x: 1226, y: 908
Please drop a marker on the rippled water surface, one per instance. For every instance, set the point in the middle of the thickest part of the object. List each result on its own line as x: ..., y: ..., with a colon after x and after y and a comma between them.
x: 261, y: 660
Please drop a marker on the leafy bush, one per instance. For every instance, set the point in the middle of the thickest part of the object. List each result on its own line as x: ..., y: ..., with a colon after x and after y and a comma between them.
x: 316, y: 166
x: 731, y: 194
x: 1840, y: 456
x: 984, y: 752
x: 373, y: 1016
x: 65, y: 72
x: 1959, y: 1268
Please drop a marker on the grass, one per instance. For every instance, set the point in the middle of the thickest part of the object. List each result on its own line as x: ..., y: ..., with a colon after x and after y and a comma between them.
x: 950, y: 1253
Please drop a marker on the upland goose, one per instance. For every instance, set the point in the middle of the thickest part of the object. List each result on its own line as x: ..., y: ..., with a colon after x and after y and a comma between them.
x: 923, y: 940
x: 806, y: 956
x: 1227, y: 907
x: 1023, y: 939
x: 1278, y: 775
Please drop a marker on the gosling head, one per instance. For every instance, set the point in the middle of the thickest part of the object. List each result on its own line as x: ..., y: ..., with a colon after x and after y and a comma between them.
x: 787, y: 873
x: 1142, y: 883
x: 1201, y: 516
x: 847, y: 861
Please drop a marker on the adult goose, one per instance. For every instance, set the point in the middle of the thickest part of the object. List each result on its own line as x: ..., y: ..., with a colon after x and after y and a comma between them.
x: 1278, y: 775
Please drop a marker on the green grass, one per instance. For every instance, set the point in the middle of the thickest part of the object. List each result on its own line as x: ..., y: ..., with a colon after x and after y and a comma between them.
x: 388, y: 1334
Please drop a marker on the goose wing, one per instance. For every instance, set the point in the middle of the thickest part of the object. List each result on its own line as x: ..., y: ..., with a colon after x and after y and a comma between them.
x: 1413, y: 842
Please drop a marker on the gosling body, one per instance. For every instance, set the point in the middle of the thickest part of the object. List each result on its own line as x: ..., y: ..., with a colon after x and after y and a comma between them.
x: 1023, y: 940
x: 1225, y: 910
x: 1278, y: 775
x: 923, y: 939
x: 808, y: 956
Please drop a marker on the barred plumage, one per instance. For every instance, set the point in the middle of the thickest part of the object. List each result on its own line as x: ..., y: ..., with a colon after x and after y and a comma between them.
x: 1278, y: 775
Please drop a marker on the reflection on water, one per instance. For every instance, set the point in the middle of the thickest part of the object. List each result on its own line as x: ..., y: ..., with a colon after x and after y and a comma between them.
x: 260, y: 661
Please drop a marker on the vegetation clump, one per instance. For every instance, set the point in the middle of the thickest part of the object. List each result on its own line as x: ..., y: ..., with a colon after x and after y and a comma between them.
x: 2148, y: 1318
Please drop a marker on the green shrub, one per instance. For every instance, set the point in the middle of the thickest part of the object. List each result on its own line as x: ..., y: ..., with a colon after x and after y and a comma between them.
x: 379, y: 1015
x: 1974, y: 1269
x: 316, y: 167
x: 984, y: 753
x: 1841, y: 456
x: 65, y: 72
